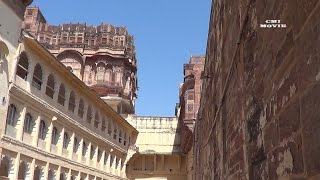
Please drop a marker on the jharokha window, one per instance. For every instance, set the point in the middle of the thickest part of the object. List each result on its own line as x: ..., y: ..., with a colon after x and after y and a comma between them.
x: 23, y: 64
x: 50, y: 86
x: 72, y: 102
x: 81, y: 108
x: 61, y: 95
x: 37, y: 77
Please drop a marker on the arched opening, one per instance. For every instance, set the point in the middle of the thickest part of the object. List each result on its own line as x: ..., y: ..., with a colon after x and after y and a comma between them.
x: 42, y: 130
x: 37, y: 77
x: 28, y: 124
x: 96, y: 120
x: 50, y: 86
x: 51, y: 175
x: 23, y: 65
x: 23, y: 170
x: 108, y: 74
x: 4, y: 167
x: 55, y: 136
x: 37, y: 173
x: 81, y: 108
x: 11, y: 116
x: 100, y: 73
x: 72, y: 102
x: 103, y: 125
x: 61, y: 95
x: 89, y: 114
x: 65, y: 140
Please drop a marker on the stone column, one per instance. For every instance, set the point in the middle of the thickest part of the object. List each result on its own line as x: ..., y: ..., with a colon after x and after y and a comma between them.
x: 66, y: 101
x: 30, y: 75
x: 49, y: 138
x: 101, y: 163
x: 114, y: 165
x: 60, y: 142
x: 108, y: 162
x: 46, y: 171
x: 95, y: 157
x: 15, y: 164
x: 88, y: 159
x: 20, y: 126
x: 70, y: 147
x: 119, y: 167
x: 44, y: 84
x: 58, y: 172
x: 36, y: 132
x: 32, y: 168
x: 80, y: 151
x: 69, y: 175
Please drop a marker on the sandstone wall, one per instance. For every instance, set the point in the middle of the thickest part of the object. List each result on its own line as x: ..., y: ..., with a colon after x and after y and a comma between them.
x: 259, y: 116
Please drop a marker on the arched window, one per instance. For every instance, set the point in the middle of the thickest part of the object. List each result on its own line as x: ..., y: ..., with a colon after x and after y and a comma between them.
x: 89, y: 114
x: 55, y: 136
x: 103, y: 125
x: 42, y: 130
x: 91, y: 152
x: 72, y: 102
x: 114, y: 132
x: 100, y: 72
x: 81, y: 108
x: 125, y: 139
x: 28, y: 124
x: 61, y: 95
x: 75, y: 145
x: 50, y: 86
x: 37, y: 77
x: 65, y: 140
x: 120, y: 136
x: 84, y: 149
x: 96, y: 120
x: 23, y: 64
x: 11, y: 116
x: 109, y: 128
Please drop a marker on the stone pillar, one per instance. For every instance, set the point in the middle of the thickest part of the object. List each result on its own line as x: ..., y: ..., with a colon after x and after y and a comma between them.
x: 49, y: 138
x: 70, y: 147
x: 108, y: 162
x: 60, y: 142
x: 88, y: 159
x: 46, y: 171
x: 58, y: 172
x: 20, y: 126
x: 30, y: 75
x: 15, y: 165
x: 80, y: 151
x: 114, y: 167
x: 95, y: 157
x: 69, y: 175
x: 44, y: 84
x: 32, y: 168
x: 36, y: 131
x: 66, y: 101
x: 101, y: 163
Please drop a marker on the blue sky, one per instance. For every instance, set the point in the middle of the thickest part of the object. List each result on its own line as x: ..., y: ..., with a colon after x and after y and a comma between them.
x: 167, y: 33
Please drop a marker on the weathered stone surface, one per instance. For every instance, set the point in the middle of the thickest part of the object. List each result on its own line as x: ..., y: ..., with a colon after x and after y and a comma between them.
x: 259, y: 110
